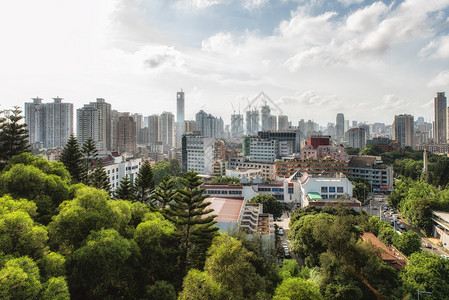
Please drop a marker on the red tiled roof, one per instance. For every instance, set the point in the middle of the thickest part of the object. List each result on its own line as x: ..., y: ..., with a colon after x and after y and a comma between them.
x: 386, y: 253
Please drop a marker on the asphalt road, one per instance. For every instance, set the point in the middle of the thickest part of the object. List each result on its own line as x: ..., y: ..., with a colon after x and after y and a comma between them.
x: 376, y: 206
x: 285, y: 220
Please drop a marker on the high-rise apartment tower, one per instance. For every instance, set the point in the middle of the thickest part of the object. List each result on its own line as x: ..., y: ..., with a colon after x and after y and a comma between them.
x: 440, y: 127
x: 49, y: 124
x: 180, y: 115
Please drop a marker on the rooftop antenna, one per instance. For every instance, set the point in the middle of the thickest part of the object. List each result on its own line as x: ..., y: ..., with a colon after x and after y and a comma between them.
x: 233, y: 108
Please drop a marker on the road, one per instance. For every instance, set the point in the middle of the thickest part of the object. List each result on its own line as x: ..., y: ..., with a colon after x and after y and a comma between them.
x: 376, y: 206
x: 285, y: 220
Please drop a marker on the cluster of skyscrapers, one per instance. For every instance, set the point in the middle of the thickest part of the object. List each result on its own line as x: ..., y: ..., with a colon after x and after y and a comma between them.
x: 51, y: 124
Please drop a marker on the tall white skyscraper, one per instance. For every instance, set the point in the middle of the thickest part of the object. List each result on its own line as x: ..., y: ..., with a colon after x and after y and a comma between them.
x: 49, y: 124
x: 180, y: 115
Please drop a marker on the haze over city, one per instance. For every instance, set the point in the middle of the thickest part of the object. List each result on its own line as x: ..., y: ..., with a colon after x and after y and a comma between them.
x: 313, y: 58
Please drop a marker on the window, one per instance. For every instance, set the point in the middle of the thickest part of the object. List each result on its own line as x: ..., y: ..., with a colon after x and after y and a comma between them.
x: 324, y: 189
x: 290, y: 190
x: 340, y: 189
x: 277, y: 189
x: 331, y: 196
x: 324, y: 196
x: 332, y: 189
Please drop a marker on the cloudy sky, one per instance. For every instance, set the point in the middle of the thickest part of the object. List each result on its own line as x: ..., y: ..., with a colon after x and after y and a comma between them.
x: 313, y: 58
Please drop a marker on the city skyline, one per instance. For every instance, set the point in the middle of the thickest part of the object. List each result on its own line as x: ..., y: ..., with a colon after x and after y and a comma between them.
x: 313, y: 58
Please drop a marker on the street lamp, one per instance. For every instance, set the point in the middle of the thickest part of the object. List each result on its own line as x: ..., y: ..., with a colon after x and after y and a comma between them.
x: 423, y: 292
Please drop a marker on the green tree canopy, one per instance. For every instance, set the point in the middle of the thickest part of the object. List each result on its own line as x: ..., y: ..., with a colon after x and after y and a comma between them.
x: 46, y: 190
x: 297, y: 288
x: 55, y: 288
x: 107, y: 264
x: 192, y: 217
x: 19, y: 279
x: 20, y: 236
x: 125, y: 190
x: 91, y: 210
x: 427, y: 272
x: 270, y: 204
x: 13, y: 135
x: 158, y: 242
x: 98, y: 177
x: 52, y: 265
x: 144, y: 183
x: 72, y: 158
x: 229, y: 264
x: 199, y: 285
x: 374, y: 150
x: 408, y: 242
x: 164, y: 194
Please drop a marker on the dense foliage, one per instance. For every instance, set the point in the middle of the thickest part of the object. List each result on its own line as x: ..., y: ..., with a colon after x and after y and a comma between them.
x: 343, y: 266
x: 270, y: 204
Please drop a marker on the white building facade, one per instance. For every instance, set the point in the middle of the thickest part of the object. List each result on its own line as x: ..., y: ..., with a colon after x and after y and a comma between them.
x: 118, y: 170
x: 198, y: 154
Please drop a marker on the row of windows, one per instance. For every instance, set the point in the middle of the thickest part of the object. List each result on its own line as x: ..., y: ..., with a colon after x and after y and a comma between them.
x: 331, y: 189
x: 218, y: 192
x: 262, y: 189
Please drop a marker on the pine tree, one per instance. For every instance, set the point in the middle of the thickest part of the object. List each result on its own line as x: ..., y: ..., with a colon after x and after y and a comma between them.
x: 72, y: 158
x: 125, y: 190
x: 164, y: 193
x: 144, y: 184
x: 13, y: 135
x: 98, y: 177
x: 90, y: 155
x: 188, y: 212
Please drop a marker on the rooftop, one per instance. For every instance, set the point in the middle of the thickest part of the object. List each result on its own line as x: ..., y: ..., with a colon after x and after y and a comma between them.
x: 386, y: 253
x: 313, y: 196
x: 226, y: 209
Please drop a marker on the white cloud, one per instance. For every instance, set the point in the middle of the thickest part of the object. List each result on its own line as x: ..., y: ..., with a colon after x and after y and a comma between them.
x: 254, y: 4
x: 438, y: 48
x: 157, y: 57
x: 367, y: 18
x: 441, y: 80
x: 200, y: 4
x: 351, y: 2
x: 219, y: 43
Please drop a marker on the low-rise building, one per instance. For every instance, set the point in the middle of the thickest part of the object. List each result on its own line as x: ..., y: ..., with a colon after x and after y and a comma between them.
x: 121, y: 168
x: 267, y: 169
x: 320, y: 146
x: 390, y: 255
x: 434, y: 148
x: 372, y: 169
x: 288, y: 167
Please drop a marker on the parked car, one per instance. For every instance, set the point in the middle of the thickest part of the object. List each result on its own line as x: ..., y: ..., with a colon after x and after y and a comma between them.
x: 427, y: 245
x: 281, y: 231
